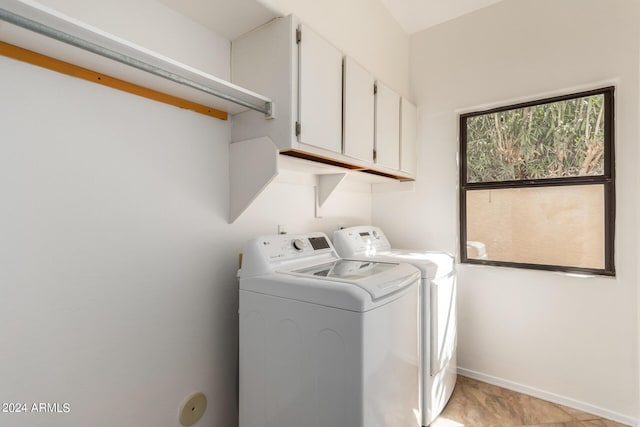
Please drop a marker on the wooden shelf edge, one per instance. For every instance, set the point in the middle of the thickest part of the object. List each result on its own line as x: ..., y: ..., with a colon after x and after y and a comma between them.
x: 346, y: 165
x: 69, y: 69
x: 320, y: 159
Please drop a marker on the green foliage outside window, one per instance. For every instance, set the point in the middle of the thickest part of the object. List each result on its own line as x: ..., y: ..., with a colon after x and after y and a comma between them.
x: 557, y: 139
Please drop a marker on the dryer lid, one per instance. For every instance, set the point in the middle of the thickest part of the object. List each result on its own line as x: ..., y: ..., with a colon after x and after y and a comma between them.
x: 432, y: 265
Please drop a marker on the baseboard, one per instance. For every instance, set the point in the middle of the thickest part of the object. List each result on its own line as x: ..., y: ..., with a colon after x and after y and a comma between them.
x: 545, y: 395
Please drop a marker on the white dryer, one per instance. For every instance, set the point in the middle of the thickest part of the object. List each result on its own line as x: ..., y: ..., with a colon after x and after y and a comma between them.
x: 326, y: 342
x: 438, y: 323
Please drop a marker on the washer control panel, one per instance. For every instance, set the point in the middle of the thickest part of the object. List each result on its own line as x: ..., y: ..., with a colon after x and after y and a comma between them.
x: 271, y: 253
x: 281, y: 247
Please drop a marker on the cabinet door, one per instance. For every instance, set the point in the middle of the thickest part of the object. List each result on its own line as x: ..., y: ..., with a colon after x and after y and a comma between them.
x: 387, y: 127
x: 358, y: 109
x: 320, y: 92
x: 408, y: 136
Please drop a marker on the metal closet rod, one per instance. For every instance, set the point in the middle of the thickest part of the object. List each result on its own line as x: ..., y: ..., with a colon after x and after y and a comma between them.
x: 53, y: 33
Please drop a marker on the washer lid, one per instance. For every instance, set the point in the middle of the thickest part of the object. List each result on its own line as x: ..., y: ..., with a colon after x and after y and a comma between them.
x: 345, y: 269
x: 378, y: 279
x: 382, y: 284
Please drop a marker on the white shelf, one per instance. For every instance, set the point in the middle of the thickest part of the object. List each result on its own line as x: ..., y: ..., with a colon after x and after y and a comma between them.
x: 255, y: 163
x: 36, y: 26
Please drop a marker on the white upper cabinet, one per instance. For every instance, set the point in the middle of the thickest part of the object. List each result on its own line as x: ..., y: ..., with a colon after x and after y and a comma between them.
x: 358, y: 110
x: 302, y: 73
x: 408, y: 137
x: 320, y: 103
x: 324, y: 106
x: 387, y: 127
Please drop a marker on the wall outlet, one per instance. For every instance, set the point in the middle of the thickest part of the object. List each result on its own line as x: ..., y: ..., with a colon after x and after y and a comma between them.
x: 282, y: 229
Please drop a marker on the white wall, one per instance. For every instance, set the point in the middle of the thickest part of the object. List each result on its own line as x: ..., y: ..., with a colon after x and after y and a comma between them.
x: 153, y: 26
x: 363, y: 29
x: 117, y: 264
x: 574, y: 340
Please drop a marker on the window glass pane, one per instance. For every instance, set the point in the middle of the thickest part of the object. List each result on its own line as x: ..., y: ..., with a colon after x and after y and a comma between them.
x: 562, y: 226
x: 557, y: 139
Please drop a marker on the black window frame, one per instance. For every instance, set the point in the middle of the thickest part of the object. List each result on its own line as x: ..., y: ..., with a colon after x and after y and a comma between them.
x: 607, y: 180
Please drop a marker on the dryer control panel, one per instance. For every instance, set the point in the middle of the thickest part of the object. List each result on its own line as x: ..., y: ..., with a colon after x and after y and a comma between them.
x: 360, y: 241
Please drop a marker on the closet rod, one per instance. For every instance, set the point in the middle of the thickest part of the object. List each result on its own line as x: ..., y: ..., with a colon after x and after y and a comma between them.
x: 37, y: 27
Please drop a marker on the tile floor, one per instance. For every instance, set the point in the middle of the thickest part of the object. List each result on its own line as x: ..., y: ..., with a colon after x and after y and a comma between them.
x: 477, y: 404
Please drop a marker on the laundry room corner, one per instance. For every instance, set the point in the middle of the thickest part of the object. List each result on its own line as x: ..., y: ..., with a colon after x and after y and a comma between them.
x: 575, y: 338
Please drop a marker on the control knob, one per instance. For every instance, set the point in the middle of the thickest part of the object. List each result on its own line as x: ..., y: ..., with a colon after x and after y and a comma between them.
x: 298, y: 244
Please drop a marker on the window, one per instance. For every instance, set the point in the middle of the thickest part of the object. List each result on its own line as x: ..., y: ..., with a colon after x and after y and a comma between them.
x: 537, y: 184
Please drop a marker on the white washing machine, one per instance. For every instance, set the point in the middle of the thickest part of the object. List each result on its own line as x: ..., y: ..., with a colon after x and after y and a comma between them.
x: 326, y: 342
x: 438, y: 324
